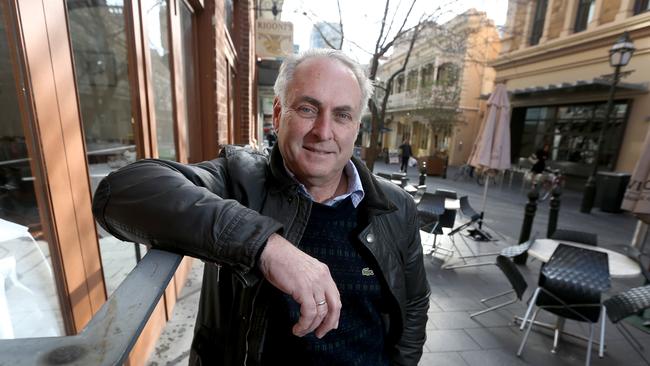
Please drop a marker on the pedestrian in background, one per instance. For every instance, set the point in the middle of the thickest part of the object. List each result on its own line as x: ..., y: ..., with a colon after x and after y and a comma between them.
x: 405, y: 154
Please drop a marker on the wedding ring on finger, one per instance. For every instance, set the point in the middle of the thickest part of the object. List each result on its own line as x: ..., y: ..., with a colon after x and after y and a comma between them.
x: 322, y: 302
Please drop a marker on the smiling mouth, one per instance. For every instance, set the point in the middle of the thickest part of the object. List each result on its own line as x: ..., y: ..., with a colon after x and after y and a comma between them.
x: 317, y: 151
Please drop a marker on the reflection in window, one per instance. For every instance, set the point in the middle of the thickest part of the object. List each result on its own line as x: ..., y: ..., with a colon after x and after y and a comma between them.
x: 191, y: 123
x: 155, y: 13
x: 29, y: 304
x: 98, y: 37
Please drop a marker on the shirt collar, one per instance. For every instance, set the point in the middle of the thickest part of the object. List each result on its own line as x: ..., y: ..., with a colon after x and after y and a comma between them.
x: 354, y: 191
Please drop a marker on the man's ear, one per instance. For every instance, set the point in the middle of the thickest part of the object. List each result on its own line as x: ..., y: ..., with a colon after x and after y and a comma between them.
x: 277, y: 113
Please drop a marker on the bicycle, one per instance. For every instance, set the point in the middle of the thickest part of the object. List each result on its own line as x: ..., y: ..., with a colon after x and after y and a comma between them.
x: 547, y: 181
x: 495, y: 177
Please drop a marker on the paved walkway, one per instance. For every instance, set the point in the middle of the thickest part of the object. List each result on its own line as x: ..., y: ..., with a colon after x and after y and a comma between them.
x: 452, y: 337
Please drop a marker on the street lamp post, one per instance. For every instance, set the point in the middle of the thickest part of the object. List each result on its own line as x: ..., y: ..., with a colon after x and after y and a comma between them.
x: 619, y: 56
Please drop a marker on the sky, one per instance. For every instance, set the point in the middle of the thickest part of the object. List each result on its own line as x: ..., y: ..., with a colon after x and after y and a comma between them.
x: 361, y: 17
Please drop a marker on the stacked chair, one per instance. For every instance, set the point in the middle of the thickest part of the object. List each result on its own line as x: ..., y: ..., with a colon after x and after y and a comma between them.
x: 434, y: 217
x: 631, y: 307
x: 509, y: 252
x: 570, y: 286
x: 516, y: 280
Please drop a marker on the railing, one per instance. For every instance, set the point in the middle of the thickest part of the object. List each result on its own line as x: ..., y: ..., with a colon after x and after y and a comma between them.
x: 424, y: 98
x: 111, y: 333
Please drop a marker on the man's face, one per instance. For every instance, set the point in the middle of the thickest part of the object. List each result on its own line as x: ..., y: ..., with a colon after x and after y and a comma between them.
x: 319, y: 123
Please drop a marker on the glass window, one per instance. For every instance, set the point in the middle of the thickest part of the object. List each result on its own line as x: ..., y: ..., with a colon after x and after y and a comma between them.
x: 97, y: 33
x: 572, y: 131
x: 538, y: 22
x: 641, y: 6
x: 228, y: 15
x: 157, y: 29
x: 29, y: 304
x: 427, y: 76
x: 584, y: 14
x: 399, y: 86
x: 191, y: 124
x: 412, y: 81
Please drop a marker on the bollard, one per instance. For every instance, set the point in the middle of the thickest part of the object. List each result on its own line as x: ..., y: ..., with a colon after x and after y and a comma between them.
x: 527, y: 225
x: 423, y: 173
x: 554, y: 211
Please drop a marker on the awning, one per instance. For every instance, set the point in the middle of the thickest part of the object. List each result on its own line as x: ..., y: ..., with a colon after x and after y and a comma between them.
x: 579, y: 86
x: 267, y: 71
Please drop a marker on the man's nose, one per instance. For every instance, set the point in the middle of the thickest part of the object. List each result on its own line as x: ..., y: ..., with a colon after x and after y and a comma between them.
x: 323, y: 124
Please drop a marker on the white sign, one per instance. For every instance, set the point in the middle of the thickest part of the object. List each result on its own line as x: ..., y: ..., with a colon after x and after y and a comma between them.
x: 273, y: 38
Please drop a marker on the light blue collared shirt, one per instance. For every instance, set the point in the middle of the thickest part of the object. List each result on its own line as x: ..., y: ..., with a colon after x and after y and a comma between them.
x: 354, y: 191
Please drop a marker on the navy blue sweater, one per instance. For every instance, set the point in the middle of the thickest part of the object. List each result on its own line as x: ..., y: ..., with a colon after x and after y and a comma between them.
x: 331, y: 237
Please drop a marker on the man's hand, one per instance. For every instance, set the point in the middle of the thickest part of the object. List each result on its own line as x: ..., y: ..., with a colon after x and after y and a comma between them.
x: 307, y: 280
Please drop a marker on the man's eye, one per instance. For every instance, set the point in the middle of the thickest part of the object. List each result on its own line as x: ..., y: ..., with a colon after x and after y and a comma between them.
x: 306, y: 111
x: 344, y: 117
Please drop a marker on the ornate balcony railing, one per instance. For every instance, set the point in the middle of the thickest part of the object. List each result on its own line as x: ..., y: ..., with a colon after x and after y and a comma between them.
x: 424, y: 98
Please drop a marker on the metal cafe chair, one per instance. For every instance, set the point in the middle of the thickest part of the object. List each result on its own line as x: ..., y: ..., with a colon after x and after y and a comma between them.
x: 631, y: 307
x: 508, y: 252
x: 473, y: 218
x: 575, y: 236
x: 517, y: 281
x: 433, y: 217
x: 570, y: 286
x: 421, y: 189
x: 446, y: 193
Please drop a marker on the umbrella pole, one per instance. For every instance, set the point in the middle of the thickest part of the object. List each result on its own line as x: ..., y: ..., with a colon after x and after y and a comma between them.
x: 485, y: 188
x: 478, y: 233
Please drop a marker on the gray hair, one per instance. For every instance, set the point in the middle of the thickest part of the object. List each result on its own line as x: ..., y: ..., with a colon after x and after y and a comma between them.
x: 288, y: 68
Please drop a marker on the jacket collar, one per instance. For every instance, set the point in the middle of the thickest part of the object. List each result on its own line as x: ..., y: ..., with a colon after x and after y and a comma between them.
x: 375, y: 199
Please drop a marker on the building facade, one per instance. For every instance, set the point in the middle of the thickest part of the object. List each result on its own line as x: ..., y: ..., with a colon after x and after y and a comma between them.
x: 435, y: 102
x: 87, y: 87
x: 325, y: 35
x: 555, y: 66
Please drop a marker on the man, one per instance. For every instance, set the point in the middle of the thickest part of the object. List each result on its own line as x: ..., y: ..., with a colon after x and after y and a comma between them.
x: 538, y: 159
x: 316, y: 262
x: 405, y: 154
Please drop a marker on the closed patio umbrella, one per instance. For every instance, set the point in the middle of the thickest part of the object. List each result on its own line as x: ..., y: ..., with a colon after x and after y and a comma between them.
x: 491, y: 150
x: 637, y: 195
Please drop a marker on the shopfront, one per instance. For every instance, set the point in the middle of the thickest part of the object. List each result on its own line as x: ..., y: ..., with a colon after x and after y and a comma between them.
x: 87, y: 87
x: 571, y: 132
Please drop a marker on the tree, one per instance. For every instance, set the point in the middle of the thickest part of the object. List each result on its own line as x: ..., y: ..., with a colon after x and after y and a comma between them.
x: 385, y: 42
x: 394, y: 30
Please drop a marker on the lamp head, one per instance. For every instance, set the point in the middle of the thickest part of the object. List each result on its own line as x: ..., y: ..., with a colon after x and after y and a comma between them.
x: 621, y: 52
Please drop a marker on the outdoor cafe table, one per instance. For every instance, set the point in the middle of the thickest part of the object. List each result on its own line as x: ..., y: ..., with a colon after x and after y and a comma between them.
x: 620, y: 266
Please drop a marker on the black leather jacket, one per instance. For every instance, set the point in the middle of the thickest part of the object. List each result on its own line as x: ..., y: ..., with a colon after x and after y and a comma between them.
x: 223, y: 211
